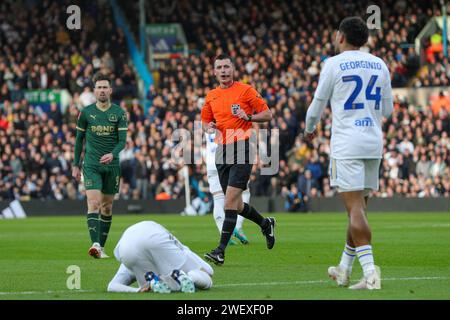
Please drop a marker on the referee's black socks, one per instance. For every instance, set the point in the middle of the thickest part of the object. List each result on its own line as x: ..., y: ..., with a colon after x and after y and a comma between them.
x: 228, y: 227
x: 250, y: 213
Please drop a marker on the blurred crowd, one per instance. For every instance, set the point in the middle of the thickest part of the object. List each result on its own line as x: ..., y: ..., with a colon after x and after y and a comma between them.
x: 40, y: 52
x: 299, y: 34
x: 278, y: 50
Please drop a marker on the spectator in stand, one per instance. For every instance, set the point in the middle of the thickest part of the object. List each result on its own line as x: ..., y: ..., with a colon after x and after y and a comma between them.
x: 306, y: 183
x: 295, y: 200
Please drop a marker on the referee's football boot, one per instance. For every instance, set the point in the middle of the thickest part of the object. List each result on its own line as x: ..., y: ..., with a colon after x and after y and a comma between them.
x: 216, y: 256
x: 269, y: 232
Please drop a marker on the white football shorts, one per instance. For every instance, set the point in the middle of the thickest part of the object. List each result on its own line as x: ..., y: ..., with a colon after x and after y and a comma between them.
x: 355, y: 174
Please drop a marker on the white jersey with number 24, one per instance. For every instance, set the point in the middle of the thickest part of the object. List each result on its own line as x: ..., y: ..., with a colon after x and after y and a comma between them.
x: 358, y: 86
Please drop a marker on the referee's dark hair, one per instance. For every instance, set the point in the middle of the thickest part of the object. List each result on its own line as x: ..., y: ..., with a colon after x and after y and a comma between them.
x: 355, y: 31
x: 99, y: 76
x: 223, y: 56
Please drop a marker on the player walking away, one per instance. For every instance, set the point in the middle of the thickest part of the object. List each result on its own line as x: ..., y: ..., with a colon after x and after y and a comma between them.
x: 219, y: 197
x: 359, y: 88
x: 104, y: 126
x: 231, y: 108
x: 159, y: 262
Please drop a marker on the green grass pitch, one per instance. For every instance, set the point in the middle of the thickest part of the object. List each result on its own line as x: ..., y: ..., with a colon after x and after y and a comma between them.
x: 412, y: 250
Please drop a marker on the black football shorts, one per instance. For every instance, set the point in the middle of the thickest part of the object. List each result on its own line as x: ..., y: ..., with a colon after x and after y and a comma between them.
x: 233, y: 165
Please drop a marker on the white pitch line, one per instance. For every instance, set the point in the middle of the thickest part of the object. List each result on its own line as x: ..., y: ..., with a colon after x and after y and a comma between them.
x: 44, y: 292
x: 250, y: 284
x: 268, y: 283
x: 320, y: 281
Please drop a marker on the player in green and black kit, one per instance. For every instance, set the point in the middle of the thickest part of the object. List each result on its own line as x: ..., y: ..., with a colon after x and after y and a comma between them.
x: 104, y: 125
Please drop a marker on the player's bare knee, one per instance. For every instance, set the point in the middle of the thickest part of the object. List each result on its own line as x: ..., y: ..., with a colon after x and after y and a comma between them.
x: 359, y: 226
x: 106, y: 209
x: 233, y: 198
x: 240, y: 206
x: 93, y: 205
x: 231, y: 204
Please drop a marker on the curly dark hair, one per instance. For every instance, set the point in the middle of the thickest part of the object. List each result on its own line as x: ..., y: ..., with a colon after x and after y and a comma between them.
x: 355, y: 31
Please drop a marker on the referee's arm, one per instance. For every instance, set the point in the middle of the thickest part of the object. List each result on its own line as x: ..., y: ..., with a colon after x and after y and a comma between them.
x: 262, y: 111
x: 208, y: 120
x: 263, y: 116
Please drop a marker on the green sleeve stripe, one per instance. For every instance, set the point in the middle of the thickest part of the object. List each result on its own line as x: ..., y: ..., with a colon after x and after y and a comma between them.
x: 80, y: 129
x: 122, y: 129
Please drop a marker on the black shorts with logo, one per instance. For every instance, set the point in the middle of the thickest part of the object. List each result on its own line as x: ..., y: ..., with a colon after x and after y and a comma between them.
x: 234, y: 165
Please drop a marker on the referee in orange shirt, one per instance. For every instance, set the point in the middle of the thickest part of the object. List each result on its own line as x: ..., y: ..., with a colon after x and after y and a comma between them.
x: 230, y: 109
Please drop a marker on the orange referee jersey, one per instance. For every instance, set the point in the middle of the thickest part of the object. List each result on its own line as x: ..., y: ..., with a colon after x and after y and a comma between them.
x: 221, y: 106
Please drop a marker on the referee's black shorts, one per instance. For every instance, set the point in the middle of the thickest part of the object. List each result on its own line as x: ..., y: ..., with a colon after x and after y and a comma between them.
x: 234, y: 164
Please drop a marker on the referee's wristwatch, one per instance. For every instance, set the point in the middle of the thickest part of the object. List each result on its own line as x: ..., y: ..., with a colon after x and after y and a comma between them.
x: 249, y: 117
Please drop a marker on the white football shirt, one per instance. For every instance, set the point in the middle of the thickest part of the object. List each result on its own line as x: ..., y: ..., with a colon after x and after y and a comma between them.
x: 144, y: 230
x: 148, y: 246
x: 358, y: 86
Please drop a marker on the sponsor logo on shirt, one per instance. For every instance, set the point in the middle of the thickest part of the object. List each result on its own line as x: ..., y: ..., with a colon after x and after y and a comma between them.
x: 102, y: 130
x: 364, y: 122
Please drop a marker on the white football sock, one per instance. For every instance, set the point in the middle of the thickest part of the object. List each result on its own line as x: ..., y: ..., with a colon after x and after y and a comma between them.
x: 239, y: 222
x: 201, y: 279
x: 218, y: 211
x: 365, y: 258
x: 347, y: 258
x: 246, y: 199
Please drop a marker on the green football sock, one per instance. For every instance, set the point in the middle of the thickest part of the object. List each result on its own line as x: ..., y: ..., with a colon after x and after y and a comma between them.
x: 93, y: 226
x: 105, y: 224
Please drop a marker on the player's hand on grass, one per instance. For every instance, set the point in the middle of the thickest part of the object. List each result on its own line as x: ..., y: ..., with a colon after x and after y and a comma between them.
x: 309, y: 136
x: 107, y: 158
x: 76, y: 173
x: 242, y: 115
x: 145, y: 289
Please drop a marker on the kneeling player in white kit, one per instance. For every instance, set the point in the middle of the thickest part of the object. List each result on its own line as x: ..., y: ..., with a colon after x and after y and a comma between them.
x: 358, y: 86
x: 152, y: 256
x: 217, y: 192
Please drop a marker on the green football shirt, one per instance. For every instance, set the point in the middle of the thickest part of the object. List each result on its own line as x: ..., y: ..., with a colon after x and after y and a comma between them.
x: 102, y: 130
